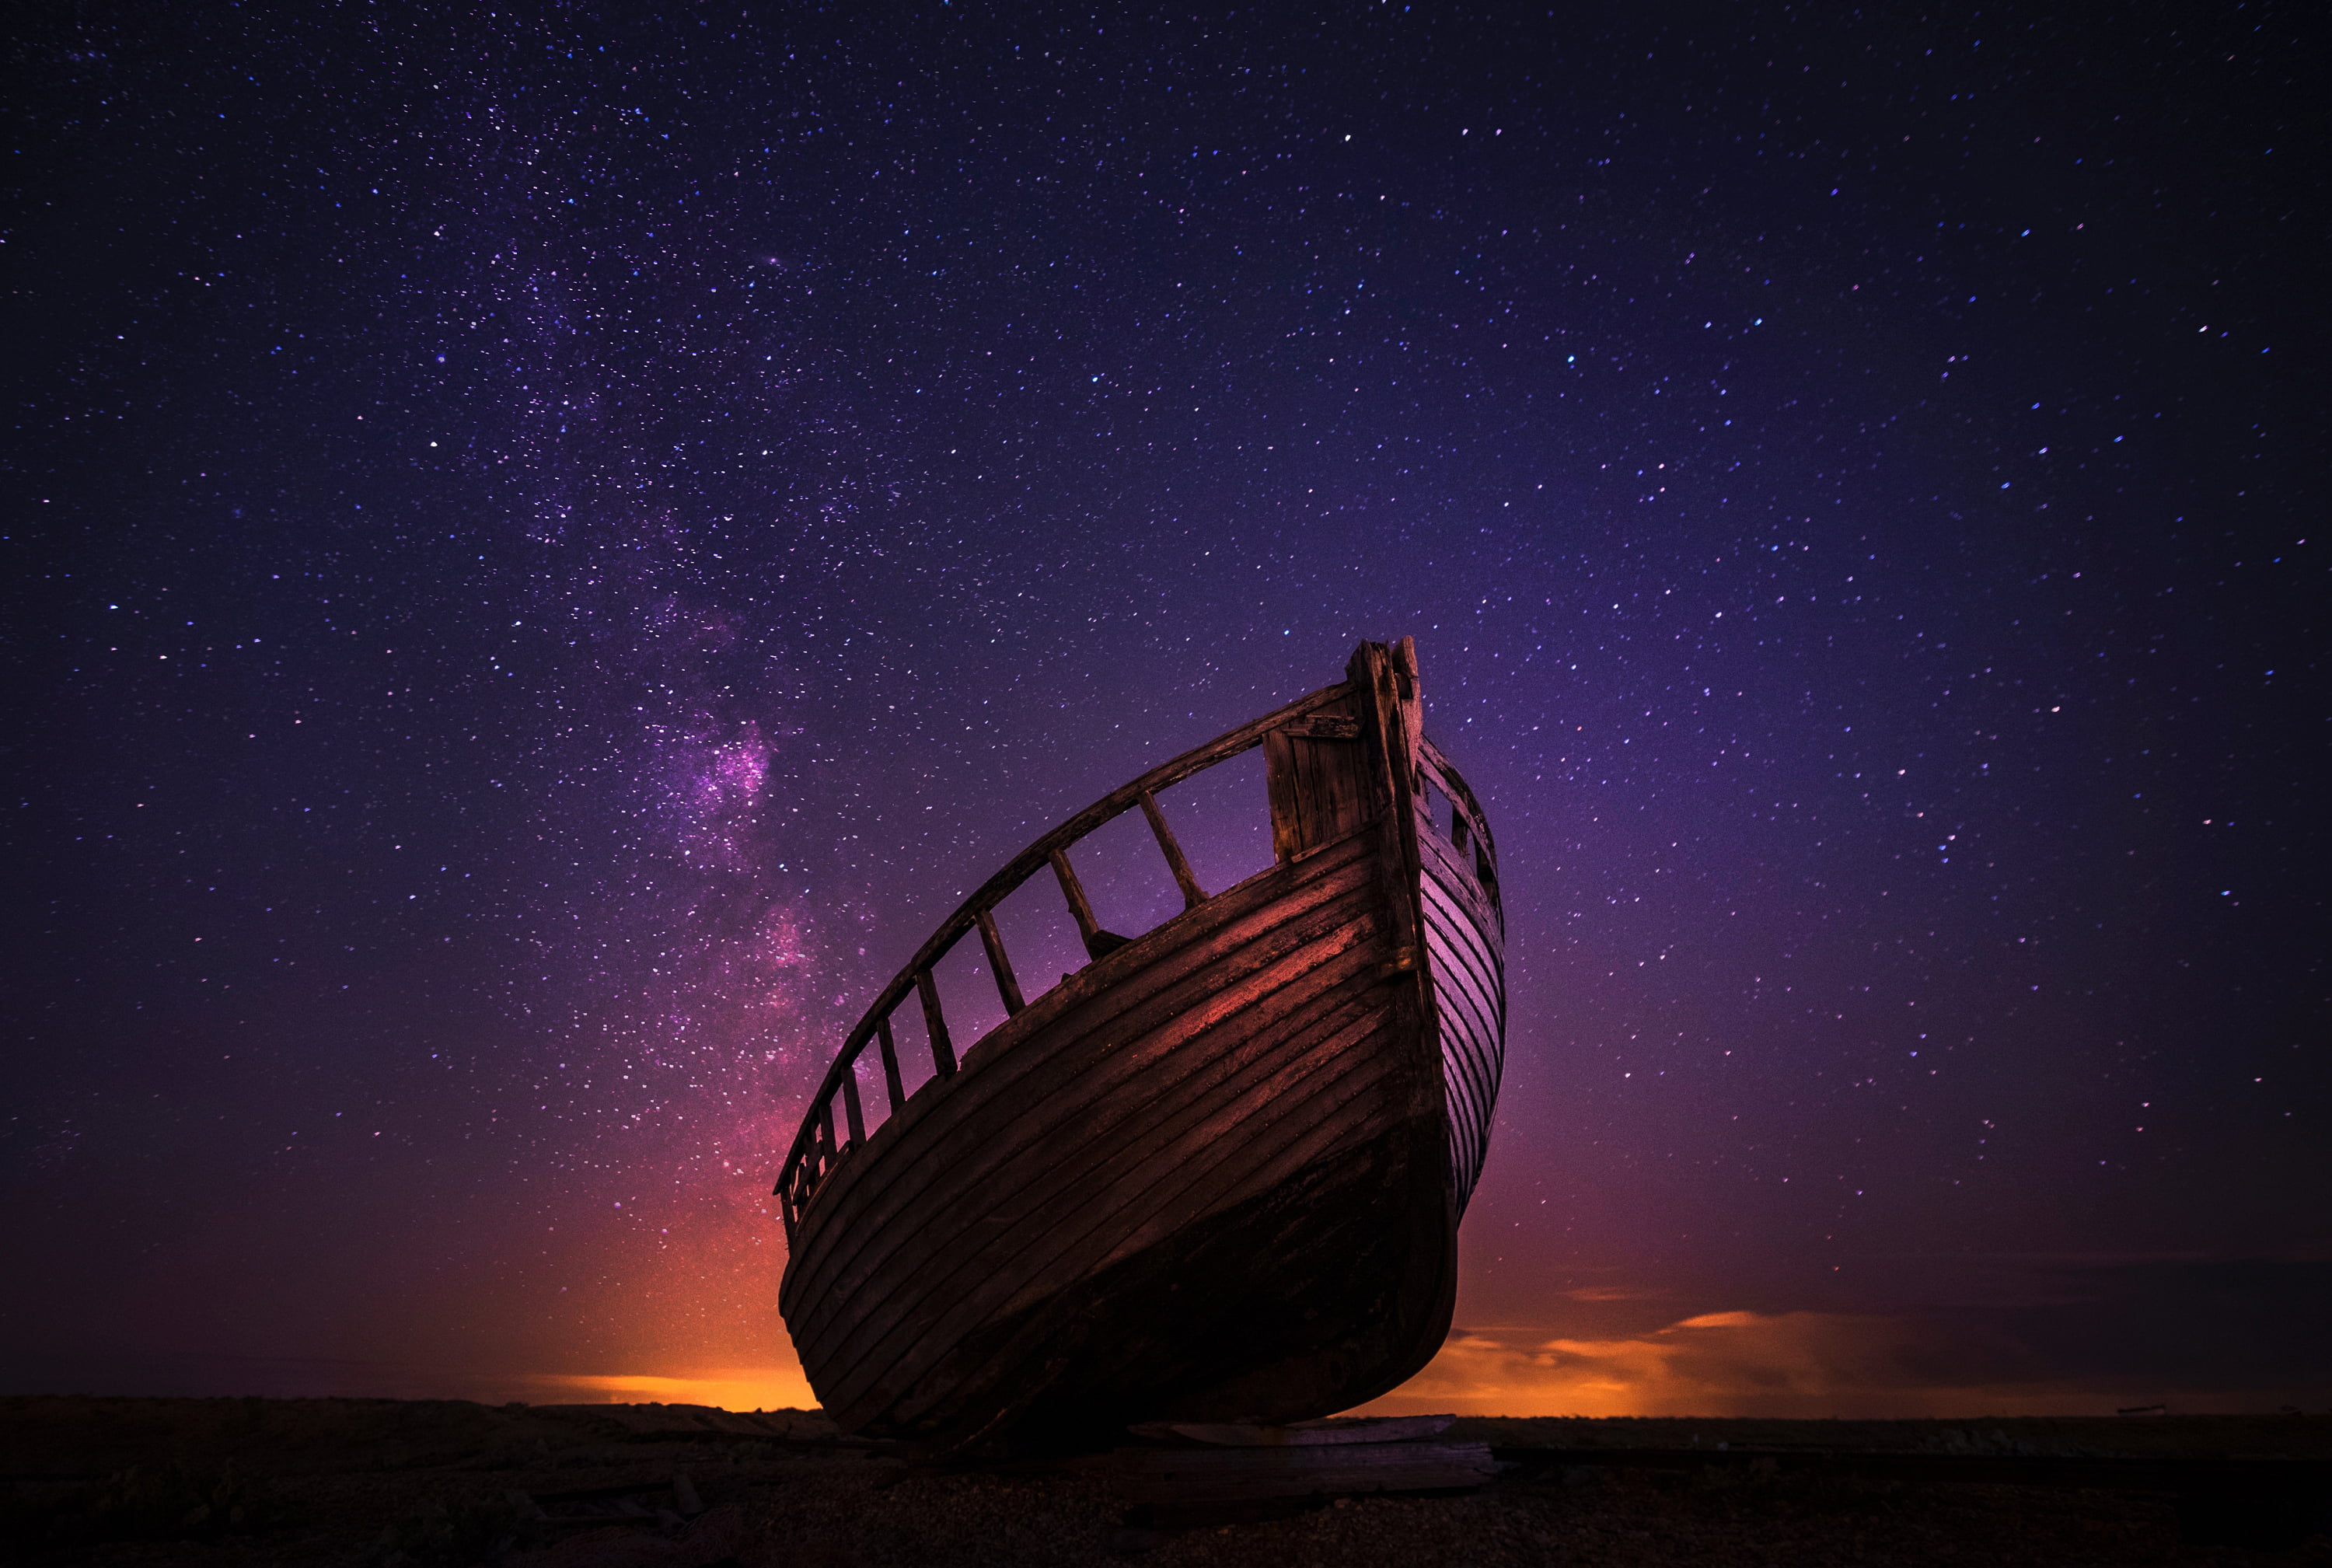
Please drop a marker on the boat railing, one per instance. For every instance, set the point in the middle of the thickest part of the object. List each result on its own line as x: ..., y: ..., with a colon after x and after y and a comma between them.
x: 1469, y: 828
x: 821, y: 1143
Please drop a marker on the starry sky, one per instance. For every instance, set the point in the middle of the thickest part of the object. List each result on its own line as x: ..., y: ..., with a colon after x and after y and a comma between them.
x: 546, y: 546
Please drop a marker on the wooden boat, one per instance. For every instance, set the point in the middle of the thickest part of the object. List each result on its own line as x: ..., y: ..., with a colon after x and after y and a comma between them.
x: 1214, y: 1175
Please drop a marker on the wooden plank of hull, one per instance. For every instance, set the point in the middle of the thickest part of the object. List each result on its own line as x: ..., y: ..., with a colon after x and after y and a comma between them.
x: 1081, y: 1196
x: 1465, y: 946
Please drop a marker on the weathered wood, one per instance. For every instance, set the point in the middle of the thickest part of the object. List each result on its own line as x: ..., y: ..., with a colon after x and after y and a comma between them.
x: 891, y: 1063
x: 1020, y: 1054
x: 1099, y: 943
x: 1073, y: 891
x: 1008, y: 987
x: 1096, y: 1125
x: 1177, y: 862
x: 1208, y: 1144
x: 1262, y: 1097
x: 1324, y: 727
x: 1214, y: 1162
x: 1165, y: 1156
x: 1460, y: 881
x: 1448, y: 777
x: 1317, y: 782
x: 1279, y: 781
x: 1132, y: 1143
x: 1335, y: 1200
x: 935, y: 1025
x: 1464, y: 944
x: 1157, y: 1155
x: 1149, y: 1064
x: 1385, y: 680
x: 1250, y: 943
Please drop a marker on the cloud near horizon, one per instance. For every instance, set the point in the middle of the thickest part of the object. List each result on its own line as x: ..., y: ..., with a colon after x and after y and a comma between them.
x: 1748, y: 1364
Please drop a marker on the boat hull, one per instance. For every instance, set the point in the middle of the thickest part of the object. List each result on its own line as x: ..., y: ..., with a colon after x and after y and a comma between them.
x: 1214, y: 1176
x: 1074, y: 1220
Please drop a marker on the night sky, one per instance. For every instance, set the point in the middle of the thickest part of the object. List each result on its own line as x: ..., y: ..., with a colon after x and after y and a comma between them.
x: 545, y: 548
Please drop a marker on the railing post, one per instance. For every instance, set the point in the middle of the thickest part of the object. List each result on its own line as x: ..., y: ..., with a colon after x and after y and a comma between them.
x: 1193, y: 894
x: 1098, y: 942
x: 1080, y: 909
x: 943, y: 1049
x: 1007, y: 987
x: 783, y: 1193
x: 850, y: 1101
x: 890, y: 1063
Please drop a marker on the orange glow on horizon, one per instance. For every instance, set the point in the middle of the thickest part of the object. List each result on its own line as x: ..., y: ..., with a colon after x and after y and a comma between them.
x: 768, y: 1388
x: 1801, y: 1365
x: 1797, y: 1365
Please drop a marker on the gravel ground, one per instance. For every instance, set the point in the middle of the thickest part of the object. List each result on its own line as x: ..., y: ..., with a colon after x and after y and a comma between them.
x: 379, y: 1484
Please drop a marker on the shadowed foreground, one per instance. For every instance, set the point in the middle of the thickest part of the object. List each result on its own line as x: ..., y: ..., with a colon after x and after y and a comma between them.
x: 440, y: 1484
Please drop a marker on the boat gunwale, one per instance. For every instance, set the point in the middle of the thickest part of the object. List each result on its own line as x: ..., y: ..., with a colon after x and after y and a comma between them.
x: 1480, y: 868
x: 1464, y: 794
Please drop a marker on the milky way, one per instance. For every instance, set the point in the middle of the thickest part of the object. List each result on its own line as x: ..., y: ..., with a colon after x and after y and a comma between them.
x: 551, y: 546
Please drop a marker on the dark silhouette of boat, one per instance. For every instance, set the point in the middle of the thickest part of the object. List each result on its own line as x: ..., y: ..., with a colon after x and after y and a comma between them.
x: 1214, y: 1175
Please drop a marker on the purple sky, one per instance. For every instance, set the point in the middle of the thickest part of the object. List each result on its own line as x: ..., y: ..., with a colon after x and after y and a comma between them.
x: 549, y: 547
